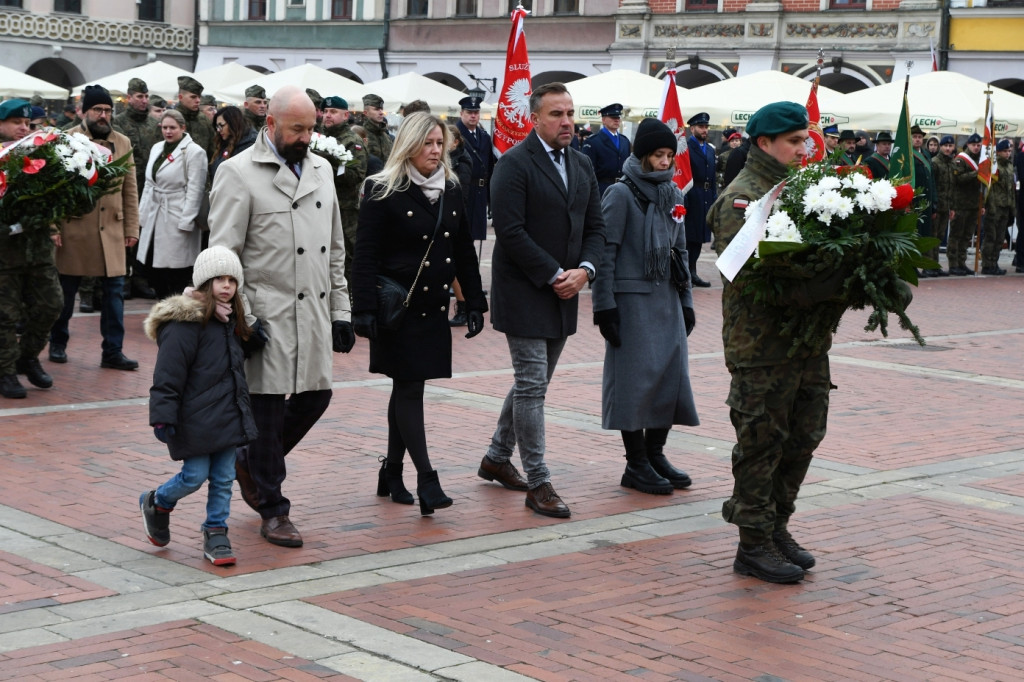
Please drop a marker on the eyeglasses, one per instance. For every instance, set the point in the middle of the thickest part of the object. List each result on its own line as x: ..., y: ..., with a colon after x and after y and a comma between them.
x: 102, y: 111
x: 221, y: 126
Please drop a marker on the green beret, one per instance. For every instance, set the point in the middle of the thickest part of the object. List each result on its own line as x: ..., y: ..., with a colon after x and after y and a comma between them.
x: 190, y: 84
x: 137, y: 85
x: 156, y: 100
x: 15, y: 108
x: 777, y: 118
x: 373, y: 101
x: 256, y: 91
x: 335, y: 102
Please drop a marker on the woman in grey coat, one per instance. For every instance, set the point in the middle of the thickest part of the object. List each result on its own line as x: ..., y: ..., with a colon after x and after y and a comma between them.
x: 645, y: 313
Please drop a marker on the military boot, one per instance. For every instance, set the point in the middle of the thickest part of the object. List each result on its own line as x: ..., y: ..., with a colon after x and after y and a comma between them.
x: 765, y: 562
x: 639, y: 474
x: 10, y: 387
x: 789, y: 548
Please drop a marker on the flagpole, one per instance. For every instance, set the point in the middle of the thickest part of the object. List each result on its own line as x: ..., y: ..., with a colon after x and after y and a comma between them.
x: 982, y: 192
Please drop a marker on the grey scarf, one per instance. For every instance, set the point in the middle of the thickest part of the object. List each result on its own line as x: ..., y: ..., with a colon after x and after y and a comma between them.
x: 663, y: 195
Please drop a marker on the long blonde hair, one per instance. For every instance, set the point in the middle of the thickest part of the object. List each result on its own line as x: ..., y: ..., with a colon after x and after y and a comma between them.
x: 409, y: 140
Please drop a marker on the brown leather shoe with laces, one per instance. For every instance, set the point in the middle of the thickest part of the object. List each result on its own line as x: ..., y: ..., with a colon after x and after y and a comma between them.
x: 281, y: 531
x: 504, y: 473
x: 544, y: 500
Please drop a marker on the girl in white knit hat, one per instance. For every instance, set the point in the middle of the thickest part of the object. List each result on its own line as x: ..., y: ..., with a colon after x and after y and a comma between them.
x: 199, y: 403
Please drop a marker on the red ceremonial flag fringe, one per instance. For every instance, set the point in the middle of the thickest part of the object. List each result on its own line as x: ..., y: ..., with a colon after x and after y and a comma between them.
x: 512, y: 120
x: 672, y: 116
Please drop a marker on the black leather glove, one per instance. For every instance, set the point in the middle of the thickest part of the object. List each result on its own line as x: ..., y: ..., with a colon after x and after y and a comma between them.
x: 257, y: 339
x: 608, y: 322
x: 343, y: 336
x: 474, y: 323
x: 365, y: 325
x: 164, y: 432
x: 689, y: 319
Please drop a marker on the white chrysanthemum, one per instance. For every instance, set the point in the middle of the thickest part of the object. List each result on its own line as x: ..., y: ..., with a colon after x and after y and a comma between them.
x: 63, y: 149
x: 781, y: 228
x: 866, y: 201
x: 883, y: 193
x: 859, y: 181
x: 751, y: 207
x: 829, y: 182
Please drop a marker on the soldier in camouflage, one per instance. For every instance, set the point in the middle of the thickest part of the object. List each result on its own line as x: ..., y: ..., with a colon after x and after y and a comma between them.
x: 190, y: 92
x: 208, y: 107
x: 157, y: 107
x: 966, y: 205
x: 778, y: 404
x: 1000, y: 210
x: 29, y: 286
x: 378, y: 140
x: 942, y: 169
x: 337, y: 124
x: 255, y: 106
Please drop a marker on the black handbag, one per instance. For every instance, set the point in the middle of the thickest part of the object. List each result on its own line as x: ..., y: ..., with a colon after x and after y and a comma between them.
x: 680, y: 280
x: 392, y: 298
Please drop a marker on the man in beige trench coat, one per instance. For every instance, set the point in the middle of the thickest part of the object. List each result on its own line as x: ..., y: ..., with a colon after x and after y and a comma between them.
x: 94, y: 245
x: 275, y: 206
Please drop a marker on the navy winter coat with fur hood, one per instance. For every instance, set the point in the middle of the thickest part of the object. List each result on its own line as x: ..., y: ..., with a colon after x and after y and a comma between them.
x: 199, y: 380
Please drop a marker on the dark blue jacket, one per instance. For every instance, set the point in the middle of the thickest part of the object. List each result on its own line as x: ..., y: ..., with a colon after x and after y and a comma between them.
x: 605, y: 157
x: 481, y: 152
x: 702, y: 194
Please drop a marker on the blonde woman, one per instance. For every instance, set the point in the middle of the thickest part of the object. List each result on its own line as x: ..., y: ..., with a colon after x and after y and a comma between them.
x: 415, y: 203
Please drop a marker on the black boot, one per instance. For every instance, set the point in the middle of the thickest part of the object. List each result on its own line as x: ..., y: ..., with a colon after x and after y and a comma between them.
x: 460, y: 319
x: 34, y: 372
x: 10, y: 387
x: 654, y: 440
x: 639, y: 474
x: 389, y: 482
x: 431, y: 496
x: 789, y: 548
x: 765, y: 562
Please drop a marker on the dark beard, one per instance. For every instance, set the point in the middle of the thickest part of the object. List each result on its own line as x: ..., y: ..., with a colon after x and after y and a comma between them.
x: 292, y: 153
x: 98, y: 129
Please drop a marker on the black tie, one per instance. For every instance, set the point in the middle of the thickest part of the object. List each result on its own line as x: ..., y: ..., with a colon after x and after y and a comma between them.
x: 556, y: 154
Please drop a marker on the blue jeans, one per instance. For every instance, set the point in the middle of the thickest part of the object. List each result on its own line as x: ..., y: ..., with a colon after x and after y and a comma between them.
x: 111, y: 314
x: 219, y: 469
x: 522, y: 415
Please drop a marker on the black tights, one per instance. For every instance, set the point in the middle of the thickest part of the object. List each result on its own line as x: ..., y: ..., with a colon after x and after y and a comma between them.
x: 405, y: 424
x: 639, y: 441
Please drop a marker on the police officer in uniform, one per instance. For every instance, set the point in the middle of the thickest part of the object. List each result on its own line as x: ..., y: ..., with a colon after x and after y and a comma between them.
x: 703, y: 193
x: 254, y: 108
x: 1000, y: 210
x: 378, y: 139
x: 190, y: 92
x: 29, y: 287
x: 848, y: 143
x: 481, y: 151
x: 607, y: 149
x: 966, y: 191
x: 337, y: 124
x: 831, y: 140
x: 878, y: 162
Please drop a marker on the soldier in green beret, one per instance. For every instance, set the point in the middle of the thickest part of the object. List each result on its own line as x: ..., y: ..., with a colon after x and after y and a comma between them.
x: 337, y: 124
x: 190, y: 92
x: 255, y: 106
x: 378, y: 140
x: 778, y: 404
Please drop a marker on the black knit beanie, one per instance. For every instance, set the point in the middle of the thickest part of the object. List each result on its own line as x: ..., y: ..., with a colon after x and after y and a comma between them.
x: 651, y: 135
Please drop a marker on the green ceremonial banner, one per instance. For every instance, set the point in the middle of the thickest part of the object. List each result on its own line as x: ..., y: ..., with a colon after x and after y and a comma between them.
x: 901, y: 161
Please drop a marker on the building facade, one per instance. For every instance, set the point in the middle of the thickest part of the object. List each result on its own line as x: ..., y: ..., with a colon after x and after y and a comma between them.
x: 985, y: 40
x: 69, y: 42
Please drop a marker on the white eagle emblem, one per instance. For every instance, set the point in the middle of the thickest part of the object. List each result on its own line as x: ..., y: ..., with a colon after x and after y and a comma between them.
x: 516, y: 110
x: 680, y: 134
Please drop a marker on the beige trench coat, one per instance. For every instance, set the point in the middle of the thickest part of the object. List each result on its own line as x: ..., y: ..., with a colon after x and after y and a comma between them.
x: 170, y: 204
x: 93, y: 245
x: 287, y: 233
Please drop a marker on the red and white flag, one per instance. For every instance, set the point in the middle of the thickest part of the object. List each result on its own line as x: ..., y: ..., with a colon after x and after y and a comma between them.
x: 672, y: 116
x: 512, y: 123
x: 935, y: 57
x: 816, y: 138
x: 987, y: 168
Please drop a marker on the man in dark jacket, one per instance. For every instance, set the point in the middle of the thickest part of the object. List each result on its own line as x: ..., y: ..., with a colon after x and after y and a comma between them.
x: 966, y: 205
x: 702, y: 194
x: 924, y: 183
x: 378, y: 139
x: 477, y: 144
x: 337, y: 125
x: 190, y: 92
x: 878, y: 162
x: 607, y: 149
x: 549, y: 233
x: 255, y: 106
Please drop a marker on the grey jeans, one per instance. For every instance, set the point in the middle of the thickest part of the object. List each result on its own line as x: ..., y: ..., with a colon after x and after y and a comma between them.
x: 522, y: 415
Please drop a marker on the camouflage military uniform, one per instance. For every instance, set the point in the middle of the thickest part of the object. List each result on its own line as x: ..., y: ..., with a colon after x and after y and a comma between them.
x: 942, y: 171
x: 1000, y: 212
x: 144, y: 132
x: 778, y: 405
x: 378, y: 142
x: 200, y: 129
x: 29, y: 292
x: 720, y: 167
x: 347, y: 187
x: 966, y: 202
x: 257, y: 121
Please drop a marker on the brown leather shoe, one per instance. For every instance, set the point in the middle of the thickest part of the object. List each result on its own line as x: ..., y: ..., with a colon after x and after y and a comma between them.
x: 504, y: 473
x: 280, y: 531
x: 544, y: 500
x: 247, y: 486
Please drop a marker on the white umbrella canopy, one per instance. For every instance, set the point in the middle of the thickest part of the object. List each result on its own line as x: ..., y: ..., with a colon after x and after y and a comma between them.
x: 161, y: 78
x: 731, y: 102
x: 638, y: 92
x: 941, y: 102
x: 216, y: 79
x: 17, y: 84
x: 327, y: 83
x: 402, y: 89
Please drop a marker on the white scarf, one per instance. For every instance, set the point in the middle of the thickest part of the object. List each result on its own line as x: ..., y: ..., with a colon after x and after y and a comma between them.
x: 432, y: 186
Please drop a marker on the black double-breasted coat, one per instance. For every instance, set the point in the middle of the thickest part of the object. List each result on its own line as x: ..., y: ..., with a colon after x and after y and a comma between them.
x: 392, y: 237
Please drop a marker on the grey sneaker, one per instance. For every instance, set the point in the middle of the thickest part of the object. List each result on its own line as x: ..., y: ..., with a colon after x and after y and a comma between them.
x: 217, y: 547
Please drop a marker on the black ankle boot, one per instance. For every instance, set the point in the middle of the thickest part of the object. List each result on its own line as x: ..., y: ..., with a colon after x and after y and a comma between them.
x: 389, y: 482
x: 431, y: 496
x: 638, y: 474
x: 654, y: 441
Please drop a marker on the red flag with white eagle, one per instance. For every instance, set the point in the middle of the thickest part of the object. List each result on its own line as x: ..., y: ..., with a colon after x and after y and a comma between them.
x: 816, y: 138
x: 512, y: 123
x: 672, y: 116
x: 987, y: 168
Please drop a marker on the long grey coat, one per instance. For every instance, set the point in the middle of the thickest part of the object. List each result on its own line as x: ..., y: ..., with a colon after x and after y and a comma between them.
x: 170, y: 204
x: 646, y: 380
x: 287, y: 233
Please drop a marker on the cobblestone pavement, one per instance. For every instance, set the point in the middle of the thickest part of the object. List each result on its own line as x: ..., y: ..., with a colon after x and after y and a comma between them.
x: 913, y: 508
